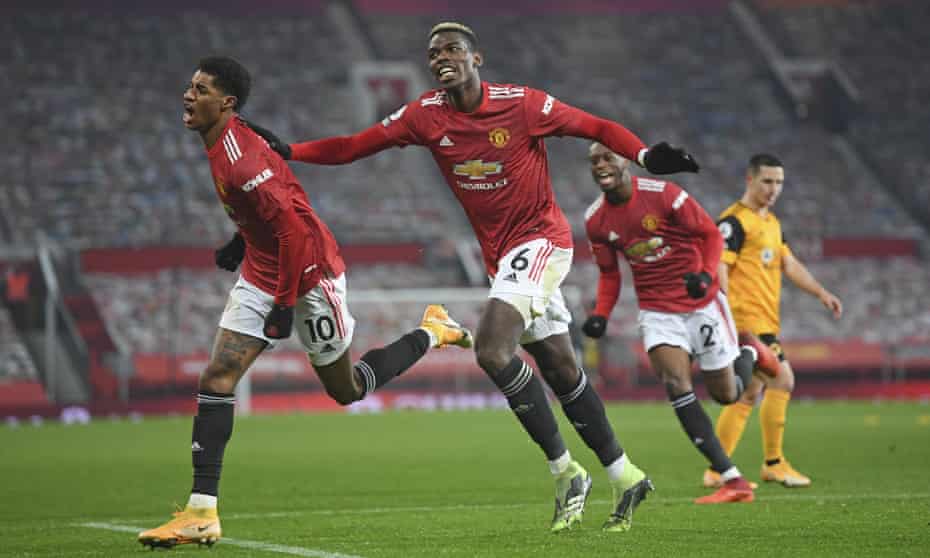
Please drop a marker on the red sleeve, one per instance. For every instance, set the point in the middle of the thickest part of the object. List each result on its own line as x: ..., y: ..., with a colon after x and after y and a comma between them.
x: 343, y: 149
x: 268, y: 195
x: 693, y: 218
x: 290, y: 254
x: 610, y: 280
x: 547, y: 116
x: 399, y: 129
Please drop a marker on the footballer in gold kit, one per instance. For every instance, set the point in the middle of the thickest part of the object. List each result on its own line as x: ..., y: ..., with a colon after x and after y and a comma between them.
x: 751, y: 267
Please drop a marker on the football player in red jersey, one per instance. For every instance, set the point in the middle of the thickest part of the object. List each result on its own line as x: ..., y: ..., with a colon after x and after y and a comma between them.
x: 487, y: 140
x: 290, y: 266
x: 673, y: 248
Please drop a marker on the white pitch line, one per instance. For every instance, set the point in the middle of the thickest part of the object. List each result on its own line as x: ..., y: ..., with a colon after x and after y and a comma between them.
x: 656, y: 498
x: 254, y: 545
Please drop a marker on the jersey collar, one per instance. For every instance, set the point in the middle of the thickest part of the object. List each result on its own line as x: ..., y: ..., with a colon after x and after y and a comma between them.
x: 215, y: 150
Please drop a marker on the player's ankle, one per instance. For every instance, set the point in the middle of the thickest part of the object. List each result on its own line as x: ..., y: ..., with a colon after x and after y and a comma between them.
x: 201, y: 501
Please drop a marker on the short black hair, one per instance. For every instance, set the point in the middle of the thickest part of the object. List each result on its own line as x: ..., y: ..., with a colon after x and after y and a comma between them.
x: 760, y: 160
x: 461, y: 28
x: 229, y: 76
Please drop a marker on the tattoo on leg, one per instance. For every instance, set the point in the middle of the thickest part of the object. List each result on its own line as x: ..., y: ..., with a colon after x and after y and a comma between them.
x: 235, y: 351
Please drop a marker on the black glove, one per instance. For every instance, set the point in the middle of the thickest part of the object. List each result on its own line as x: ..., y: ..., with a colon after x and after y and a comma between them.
x: 274, y: 142
x: 230, y: 256
x: 279, y: 321
x: 662, y: 158
x: 594, y: 326
x: 697, y: 284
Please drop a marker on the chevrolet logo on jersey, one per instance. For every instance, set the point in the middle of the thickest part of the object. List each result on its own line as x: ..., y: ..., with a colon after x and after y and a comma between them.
x: 477, y: 169
x: 644, y: 247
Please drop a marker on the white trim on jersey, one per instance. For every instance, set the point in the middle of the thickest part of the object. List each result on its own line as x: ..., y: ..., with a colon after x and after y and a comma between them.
x: 505, y: 92
x: 593, y: 207
x: 332, y: 296
x: 233, y: 153
x: 438, y: 98
x: 680, y: 200
x: 650, y: 185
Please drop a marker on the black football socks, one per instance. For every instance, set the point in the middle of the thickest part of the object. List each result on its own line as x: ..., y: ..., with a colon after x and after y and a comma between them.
x: 585, y: 410
x: 743, y: 365
x: 700, y: 430
x: 213, y: 427
x: 379, y: 366
x: 527, y: 399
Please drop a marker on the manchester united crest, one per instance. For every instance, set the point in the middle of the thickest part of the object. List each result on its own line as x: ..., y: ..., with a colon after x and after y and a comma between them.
x: 650, y: 222
x: 499, y: 137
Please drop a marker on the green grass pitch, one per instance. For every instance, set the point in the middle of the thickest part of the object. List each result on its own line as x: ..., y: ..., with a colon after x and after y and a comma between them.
x: 413, y: 484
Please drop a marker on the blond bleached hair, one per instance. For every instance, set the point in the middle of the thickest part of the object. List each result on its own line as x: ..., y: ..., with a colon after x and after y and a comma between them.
x: 458, y: 28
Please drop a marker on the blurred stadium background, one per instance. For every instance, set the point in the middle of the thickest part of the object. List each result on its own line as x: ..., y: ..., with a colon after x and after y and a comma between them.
x: 108, y: 217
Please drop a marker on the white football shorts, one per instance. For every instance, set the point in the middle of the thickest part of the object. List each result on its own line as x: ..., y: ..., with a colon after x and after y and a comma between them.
x: 321, y: 317
x: 708, y: 333
x: 528, y: 278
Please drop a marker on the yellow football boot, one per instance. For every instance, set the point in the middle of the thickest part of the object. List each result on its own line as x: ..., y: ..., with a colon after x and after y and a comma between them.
x: 784, y: 474
x: 445, y: 330
x: 190, y: 525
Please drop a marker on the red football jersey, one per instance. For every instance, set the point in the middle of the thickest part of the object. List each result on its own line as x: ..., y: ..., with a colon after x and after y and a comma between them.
x: 288, y: 247
x: 494, y: 160
x: 664, y: 234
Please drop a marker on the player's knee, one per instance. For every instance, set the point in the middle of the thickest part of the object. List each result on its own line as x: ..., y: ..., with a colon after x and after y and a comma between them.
x: 784, y: 382
x: 562, y: 379
x: 676, y: 386
x: 343, y: 394
x: 492, y: 357
x: 725, y: 395
x: 219, y: 378
x: 750, y: 397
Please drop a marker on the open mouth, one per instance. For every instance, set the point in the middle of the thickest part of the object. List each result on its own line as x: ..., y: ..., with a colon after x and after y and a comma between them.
x: 188, y: 113
x: 604, y: 178
x: 445, y: 73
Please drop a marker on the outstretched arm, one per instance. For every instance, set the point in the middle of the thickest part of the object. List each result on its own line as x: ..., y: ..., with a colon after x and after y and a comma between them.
x: 343, y: 149
x: 612, y: 135
x: 661, y: 158
x: 329, y: 151
x: 547, y: 116
x: 802, y: 277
